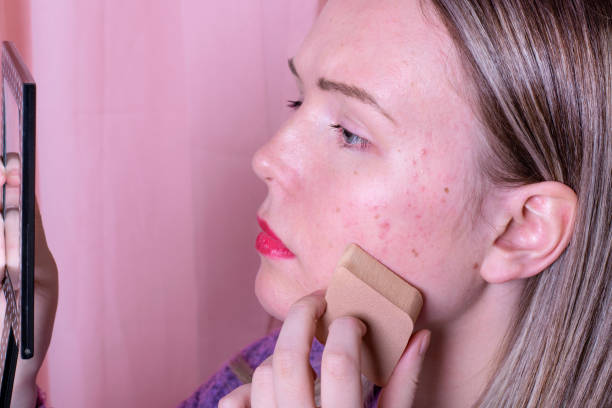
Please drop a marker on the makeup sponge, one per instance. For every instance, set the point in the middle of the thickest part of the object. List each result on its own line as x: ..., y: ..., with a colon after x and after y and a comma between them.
x: 364, y: 288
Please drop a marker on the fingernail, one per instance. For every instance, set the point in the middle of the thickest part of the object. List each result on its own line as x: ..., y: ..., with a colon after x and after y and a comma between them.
x: 364, y: 328
x: 424, y: 343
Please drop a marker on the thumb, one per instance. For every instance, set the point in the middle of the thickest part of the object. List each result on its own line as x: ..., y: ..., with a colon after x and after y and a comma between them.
x: 401, y: 388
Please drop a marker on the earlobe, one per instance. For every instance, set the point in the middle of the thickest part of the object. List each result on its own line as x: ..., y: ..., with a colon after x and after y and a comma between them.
x: 537, y: 227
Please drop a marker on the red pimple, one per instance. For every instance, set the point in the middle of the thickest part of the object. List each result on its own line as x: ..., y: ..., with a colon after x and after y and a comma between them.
x: 384, y: 229
x: 415, y: 253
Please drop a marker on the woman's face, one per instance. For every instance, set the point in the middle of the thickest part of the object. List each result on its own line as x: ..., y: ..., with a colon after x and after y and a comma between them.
x: 382, y: 152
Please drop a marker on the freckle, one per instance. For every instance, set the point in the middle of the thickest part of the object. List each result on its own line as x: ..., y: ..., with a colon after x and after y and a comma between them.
x: 446, y: 190
x: 476, y: 265
x: 399, y: 150
x: 384, y: 229
x: 355, y: 172
x: 337, y: 209
x: 377, y: 216
x: 415, y: 253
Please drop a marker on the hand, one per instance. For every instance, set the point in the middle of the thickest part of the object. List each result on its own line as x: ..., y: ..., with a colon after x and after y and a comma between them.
x: 286, y: 379
x: 45, y: 284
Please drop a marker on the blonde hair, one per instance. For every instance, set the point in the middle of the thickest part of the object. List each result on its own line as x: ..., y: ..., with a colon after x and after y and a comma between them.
x: 542, y: 72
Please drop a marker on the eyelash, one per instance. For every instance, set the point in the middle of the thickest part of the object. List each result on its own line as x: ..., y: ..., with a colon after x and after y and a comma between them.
x: 294, y: 104
x: 348, y: 139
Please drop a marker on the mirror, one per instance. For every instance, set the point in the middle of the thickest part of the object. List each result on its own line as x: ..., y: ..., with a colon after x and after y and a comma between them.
x: 17, y: 203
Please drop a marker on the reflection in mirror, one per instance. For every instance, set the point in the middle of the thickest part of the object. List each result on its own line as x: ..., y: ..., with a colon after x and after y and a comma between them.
x: 11, y: 202
x: 17, y: 221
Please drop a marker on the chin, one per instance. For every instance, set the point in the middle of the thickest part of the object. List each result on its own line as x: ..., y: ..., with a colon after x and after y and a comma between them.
x: 272, y: 296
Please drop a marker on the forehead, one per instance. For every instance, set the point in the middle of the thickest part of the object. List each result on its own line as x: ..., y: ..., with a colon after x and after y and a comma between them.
x: 390, y: 47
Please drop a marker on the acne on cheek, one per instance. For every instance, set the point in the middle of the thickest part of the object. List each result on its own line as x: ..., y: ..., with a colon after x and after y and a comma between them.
x: 383, y: 229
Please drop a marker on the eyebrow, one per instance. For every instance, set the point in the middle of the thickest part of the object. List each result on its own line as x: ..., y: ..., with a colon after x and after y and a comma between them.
x: 351, y: 91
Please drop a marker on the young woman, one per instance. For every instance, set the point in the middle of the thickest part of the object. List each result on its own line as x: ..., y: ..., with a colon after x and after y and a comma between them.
x: 466, y: 145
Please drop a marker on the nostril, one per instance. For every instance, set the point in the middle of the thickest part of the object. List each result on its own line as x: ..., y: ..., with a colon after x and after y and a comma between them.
x: 263, y: 164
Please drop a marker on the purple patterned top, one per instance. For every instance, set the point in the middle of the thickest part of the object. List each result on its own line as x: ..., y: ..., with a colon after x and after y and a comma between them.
x: 227, y: 379
x: 232, y: 375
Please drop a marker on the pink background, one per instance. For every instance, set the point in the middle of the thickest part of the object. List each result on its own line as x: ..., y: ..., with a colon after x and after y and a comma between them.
x: 148, y: 113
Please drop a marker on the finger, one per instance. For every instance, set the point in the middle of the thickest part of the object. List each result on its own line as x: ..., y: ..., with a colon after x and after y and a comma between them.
x: 341, y: 364
x: 239, y: 398
x: 293, y: 382
x: 402, y: 385
x: 2, y: 249
x: 12, y: 239
x: 262, y: 387
x: 2, y: 172
x: 12, y: 197
x: 2, y: 181
x: 13, y: 170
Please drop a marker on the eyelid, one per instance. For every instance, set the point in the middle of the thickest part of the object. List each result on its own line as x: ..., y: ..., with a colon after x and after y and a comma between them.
x: 294, y: 104
x: 363, y: 144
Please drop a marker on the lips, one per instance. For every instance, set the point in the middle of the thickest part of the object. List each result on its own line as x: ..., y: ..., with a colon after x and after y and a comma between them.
x: 268, y: 244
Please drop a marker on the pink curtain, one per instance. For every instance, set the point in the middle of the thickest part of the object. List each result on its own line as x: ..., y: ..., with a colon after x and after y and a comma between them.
x: 148, y: 113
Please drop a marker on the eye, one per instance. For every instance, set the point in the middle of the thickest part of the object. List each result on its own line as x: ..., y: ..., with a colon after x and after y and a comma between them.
x: 294, y: 104
x: 350, y: 140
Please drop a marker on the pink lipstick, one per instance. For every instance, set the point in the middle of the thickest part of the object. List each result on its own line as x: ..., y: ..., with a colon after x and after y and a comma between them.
x: 269, y: 244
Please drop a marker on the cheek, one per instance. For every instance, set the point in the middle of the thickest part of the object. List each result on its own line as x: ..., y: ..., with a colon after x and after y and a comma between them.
x: 411, y: 229
x: 384, y: 227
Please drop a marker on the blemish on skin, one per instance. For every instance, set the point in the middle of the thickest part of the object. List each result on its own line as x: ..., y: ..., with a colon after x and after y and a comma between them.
x: 384, y: 229
x: 443, y: 201
x: 446, y: 190
x: 355, y: 172
x: 476, y: 265
x: 337, y: 209
x: 422, y: 189
x: 423, y: 152
x: 418, y: 216
x: 415, y: 253
x: 414, y: 162
x: 377, y: 216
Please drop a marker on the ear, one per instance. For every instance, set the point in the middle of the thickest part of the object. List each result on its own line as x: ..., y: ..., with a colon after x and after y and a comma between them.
x: 535, y: 226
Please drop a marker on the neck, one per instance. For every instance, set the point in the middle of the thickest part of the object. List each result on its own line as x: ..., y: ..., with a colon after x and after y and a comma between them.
x: 464, y: 353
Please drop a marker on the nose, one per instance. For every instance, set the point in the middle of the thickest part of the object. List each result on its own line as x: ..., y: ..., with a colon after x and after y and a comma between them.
x: 262, y: 164
x: 275, y: 164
